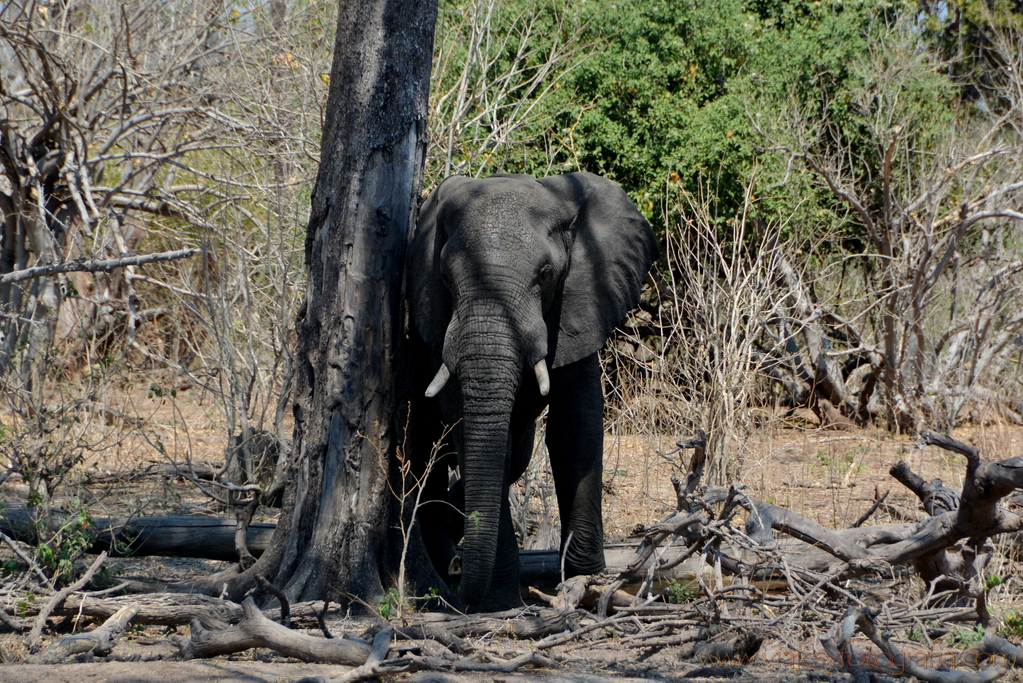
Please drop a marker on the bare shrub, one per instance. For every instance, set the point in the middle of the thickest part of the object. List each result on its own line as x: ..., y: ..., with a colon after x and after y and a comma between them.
x: 934, y: 199
x: 534, y: 505
x: 495, y: 87
x: 693, y: 358
x: 143, y: 127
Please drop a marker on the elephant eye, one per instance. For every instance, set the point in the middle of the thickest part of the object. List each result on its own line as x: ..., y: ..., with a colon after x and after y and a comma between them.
x: 546, y: 274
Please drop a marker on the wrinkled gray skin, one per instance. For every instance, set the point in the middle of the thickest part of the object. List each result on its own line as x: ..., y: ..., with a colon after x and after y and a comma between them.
x: 505, y: 272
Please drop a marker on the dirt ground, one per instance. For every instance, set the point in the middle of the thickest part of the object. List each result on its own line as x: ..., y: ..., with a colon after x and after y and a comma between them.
x: 218, y: 671
x: 828, y: 476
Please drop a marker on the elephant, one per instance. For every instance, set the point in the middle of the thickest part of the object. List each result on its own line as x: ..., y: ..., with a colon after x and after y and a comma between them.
x: 514, y: 284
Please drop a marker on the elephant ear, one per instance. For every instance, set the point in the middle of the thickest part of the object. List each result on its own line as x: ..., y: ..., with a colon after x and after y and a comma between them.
x: 611, y: 254
x: 428, y: 297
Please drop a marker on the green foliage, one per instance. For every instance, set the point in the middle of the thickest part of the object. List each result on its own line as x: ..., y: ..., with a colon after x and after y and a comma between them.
x: 671, y: 95
x: 679, y: 593
x: 23, y: 605
x: 670, y: 98
x: 70, y: 541
x: 389, y: 604
x: 392, y: 604
x: 965, y: 637
x: 1012, y: 624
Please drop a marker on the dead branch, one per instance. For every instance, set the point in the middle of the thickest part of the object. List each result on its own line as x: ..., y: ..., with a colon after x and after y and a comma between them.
x: 530, y: 623
x: 993, y: 647
x: 94, y: 266
x: 32, y: 641
x: 100, y: 641
x: 766, y: 515
x: 582, y: 591
x: 870, y: 511
x: 25, y: 558
x: 929, y: 438
x: 281, y: 598
x: 10, y: 622
x: 556, y: 639
x: 465, y: 664
x: 156, y: 469
x: 441, y: 635
x: 894, y: 662
x: 697, y: 464
x: 255, y: 630
x: 374, y: 665
x: 675, y: 524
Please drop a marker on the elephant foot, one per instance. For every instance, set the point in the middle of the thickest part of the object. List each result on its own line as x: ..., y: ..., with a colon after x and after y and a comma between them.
x: 586, y: 560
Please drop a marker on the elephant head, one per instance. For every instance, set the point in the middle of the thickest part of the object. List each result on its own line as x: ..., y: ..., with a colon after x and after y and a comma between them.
x: 509, y: 279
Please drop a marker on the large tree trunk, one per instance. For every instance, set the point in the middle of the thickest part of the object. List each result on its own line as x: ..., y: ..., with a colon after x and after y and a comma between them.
x: 335, y: 517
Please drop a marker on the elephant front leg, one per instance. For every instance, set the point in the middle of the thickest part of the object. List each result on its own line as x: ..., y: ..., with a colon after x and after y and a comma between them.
x: 575, y: 440
x: 504, y: 591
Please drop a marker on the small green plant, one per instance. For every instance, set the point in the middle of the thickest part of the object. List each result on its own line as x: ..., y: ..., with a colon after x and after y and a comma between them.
x: 389, y: 604
x: 1012, y: 624
x: 966, y: 637
x: 678, y: 593
x: 68, y: 543
x: 993, y: 580
x: 915, y: 634
x: 23, y: 605
x: 847, y: 461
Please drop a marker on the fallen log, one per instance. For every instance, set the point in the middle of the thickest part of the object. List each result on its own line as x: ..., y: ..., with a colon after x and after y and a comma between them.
x: 178, y: 609
x: 163, y: 609
x: 521, y: 624
x: 977, y: 515
x: 210, y: 538
x: 213, y: 538
x: 203, y: 471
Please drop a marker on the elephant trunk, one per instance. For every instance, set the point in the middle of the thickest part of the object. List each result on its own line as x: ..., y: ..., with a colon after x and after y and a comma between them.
x: 489, y: 382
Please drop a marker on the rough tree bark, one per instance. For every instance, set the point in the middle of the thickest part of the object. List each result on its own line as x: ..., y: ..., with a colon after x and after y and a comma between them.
x: 334, y: 520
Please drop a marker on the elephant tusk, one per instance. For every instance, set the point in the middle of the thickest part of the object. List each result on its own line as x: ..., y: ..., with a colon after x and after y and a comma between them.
x: 442, y: 377
x: 542, y: 378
